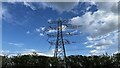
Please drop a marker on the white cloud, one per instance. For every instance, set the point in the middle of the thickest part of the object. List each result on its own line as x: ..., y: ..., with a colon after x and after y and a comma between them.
x: 108, y: 6
x: 26, y: 52
x: 61, y: 6
x: 96, y: 24
x: 49, y: 21
x: 51, y: 31
x: 29, y: 5
x: 90, y: 46
x: 4, y: 52
x: 104, y: 43
x: 28, y: 32
x: 100, y: 44
x: 67, y: 6
x: 102, y: 27
x: 101, y: 21
x: 63, y: 27
x: 16, y: 44
x: 30, y: 52
x: 5, y: 14
x: 58, y: 6
x: 41, y: 34
x: 89, y: 38
x: 97, y: 52
x: 116, y: 52
x: 40, y: 29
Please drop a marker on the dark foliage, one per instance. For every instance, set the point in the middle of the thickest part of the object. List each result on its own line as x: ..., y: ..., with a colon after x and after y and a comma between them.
x: 73, y: 61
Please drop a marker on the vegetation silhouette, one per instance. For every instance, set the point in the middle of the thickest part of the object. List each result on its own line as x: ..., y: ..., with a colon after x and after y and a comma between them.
x: 73, y: 61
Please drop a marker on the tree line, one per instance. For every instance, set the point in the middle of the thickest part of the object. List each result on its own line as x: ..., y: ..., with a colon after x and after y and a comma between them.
x: 73, y: 61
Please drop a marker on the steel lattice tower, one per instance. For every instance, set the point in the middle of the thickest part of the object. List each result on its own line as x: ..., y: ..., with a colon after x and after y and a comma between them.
x: 59, y: 47
x: 60, y: 42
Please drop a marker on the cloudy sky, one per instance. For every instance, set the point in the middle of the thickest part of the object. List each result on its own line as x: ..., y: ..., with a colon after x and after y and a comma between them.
x: 25, y: 27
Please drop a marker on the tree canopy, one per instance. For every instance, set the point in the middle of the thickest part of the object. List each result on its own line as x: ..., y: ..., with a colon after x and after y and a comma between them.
x: 73, y: 61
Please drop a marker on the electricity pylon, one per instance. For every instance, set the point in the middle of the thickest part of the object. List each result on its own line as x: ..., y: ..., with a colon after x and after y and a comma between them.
x: 60, y: 41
